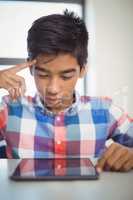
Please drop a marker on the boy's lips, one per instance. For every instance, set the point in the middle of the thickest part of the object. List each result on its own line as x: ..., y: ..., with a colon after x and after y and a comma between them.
x: 51, y: 99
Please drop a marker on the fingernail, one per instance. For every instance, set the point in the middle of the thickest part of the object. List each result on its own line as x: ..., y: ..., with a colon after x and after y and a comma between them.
x: 99, y: 170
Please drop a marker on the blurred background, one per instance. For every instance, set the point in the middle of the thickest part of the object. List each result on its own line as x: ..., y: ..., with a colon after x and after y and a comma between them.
x: 110, y: 27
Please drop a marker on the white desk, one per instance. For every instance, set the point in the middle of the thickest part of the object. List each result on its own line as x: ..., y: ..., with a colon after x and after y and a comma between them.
x: 111, y: 186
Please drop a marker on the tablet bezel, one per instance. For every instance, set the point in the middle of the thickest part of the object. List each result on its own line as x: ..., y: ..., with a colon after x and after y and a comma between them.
x: 55, y: 177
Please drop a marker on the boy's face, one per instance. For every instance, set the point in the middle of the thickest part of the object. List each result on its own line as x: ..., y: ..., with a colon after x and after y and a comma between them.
x: 55, y: 78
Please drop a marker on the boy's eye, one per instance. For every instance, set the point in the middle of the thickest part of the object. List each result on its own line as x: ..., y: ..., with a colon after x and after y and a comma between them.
x: 41, y: 74
x: 66, y: 77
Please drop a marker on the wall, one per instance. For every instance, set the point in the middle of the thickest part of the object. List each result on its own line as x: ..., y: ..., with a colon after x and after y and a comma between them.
x: 111, y: 50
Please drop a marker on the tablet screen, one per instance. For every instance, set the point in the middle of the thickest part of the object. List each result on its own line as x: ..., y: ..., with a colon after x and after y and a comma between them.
x: 55, y: 169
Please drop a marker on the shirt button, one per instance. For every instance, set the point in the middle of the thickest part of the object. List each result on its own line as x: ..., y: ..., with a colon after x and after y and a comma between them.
x: 58, y: 166
x: 58, y: 119
x: 58, y: 142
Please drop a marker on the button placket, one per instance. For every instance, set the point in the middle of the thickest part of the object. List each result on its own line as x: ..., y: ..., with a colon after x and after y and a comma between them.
x: 60, y: 148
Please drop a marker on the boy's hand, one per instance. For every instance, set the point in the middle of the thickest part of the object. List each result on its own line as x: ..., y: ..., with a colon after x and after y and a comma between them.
x: 116, y: 158
x: 12, y: 82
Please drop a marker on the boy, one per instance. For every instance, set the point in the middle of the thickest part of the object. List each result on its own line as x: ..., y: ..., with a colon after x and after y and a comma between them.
x: 58, y: 122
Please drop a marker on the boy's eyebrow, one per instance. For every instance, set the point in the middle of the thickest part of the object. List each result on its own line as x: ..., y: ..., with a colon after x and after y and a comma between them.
x: 61, y: 72
x: 67, y: 71
x: 41, y: 69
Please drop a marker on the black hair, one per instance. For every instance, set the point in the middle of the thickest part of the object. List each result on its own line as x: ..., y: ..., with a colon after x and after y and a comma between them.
x: 58, y: 33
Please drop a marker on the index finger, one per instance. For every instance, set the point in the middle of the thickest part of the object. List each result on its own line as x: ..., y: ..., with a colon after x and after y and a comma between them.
x: 22, y: 66
x: 106, y: 155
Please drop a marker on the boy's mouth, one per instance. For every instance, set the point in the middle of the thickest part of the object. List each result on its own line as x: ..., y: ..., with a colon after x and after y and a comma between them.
x: 52, y: 101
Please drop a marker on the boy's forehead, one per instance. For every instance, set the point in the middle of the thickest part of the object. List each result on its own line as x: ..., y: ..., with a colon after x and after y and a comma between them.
x: 57, y: 62
x: 45, y: 58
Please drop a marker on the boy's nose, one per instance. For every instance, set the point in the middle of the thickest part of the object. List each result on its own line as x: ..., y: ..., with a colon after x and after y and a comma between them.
x: 53, y: 87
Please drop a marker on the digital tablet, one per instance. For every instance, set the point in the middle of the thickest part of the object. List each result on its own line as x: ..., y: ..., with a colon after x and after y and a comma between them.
x: 55, y: 169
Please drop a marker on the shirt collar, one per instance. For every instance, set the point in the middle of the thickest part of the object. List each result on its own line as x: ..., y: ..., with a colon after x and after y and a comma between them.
x: 68, y: 111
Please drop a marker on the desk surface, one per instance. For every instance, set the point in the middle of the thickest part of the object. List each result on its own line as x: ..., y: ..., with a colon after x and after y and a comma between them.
x: 110, y: 186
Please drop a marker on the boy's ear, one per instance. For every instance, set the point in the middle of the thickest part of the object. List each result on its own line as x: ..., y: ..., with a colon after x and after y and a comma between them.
x: 83, y: 71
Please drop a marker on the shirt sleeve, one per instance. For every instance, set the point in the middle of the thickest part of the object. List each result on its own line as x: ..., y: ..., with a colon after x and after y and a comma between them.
x: 121, y: 126
x: 3, y: 121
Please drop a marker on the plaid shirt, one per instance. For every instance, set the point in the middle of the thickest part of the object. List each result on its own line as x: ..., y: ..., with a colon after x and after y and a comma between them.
x: 29, y: 130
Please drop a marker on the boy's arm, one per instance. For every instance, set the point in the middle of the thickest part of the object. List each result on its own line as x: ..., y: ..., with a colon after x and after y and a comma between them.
x: 3, y: 121
x: 2, y: 149
x: 121, y: 126
x: 15, y: 85
x: 119, y: 155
